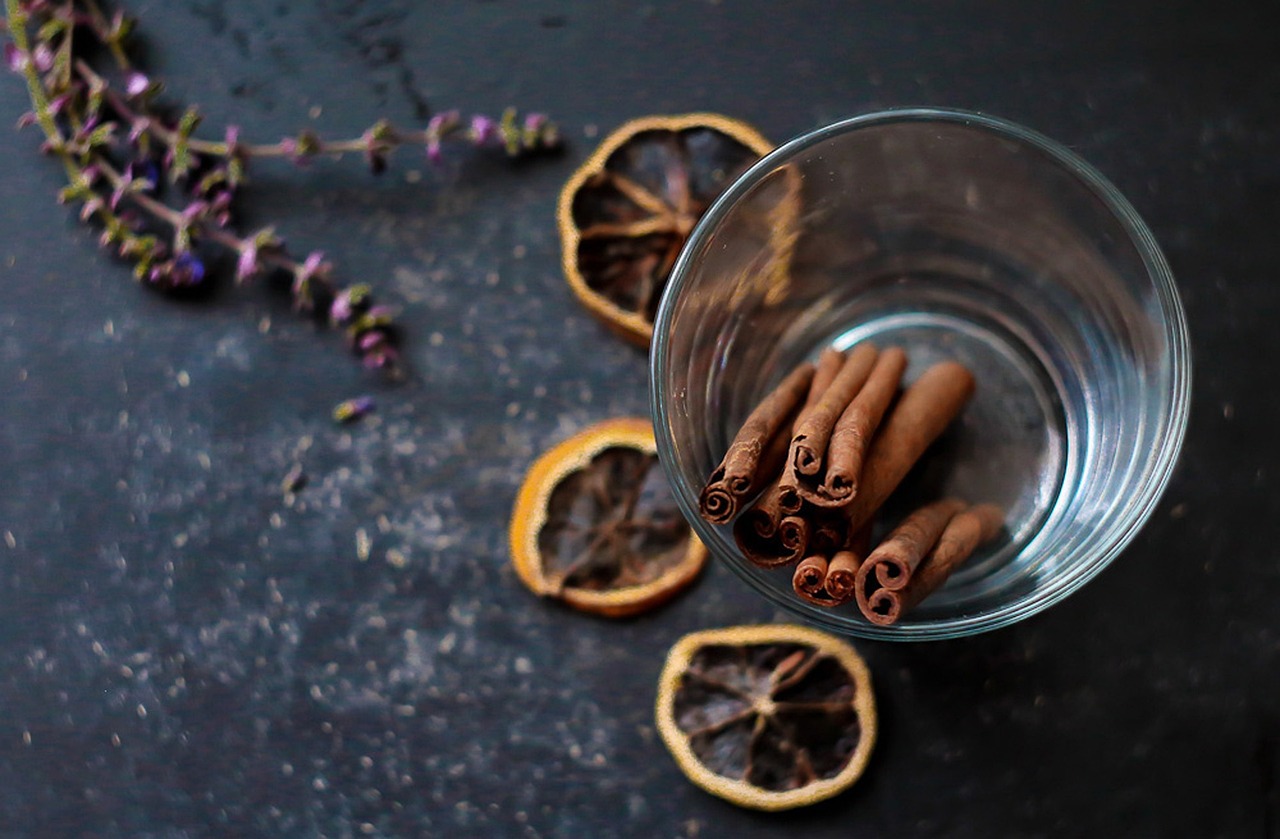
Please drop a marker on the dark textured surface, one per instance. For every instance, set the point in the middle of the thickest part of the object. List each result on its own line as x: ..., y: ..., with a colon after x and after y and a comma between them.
x: 182, y: 654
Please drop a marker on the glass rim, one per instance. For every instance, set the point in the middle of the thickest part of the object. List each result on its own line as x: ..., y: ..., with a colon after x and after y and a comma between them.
x: 1158, y: 468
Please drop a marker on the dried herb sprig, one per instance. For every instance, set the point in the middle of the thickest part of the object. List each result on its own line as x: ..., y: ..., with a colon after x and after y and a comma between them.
x: 121, y: 146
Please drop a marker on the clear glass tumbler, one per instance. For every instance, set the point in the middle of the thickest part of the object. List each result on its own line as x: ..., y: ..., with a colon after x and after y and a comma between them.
x: 955, y: 236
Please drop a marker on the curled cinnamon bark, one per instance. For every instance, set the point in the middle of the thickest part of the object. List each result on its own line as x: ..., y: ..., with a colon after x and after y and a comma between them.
x: 960, y: 538
x: 742, y: 471
x: 842, y: 573
x: 830, y: 362
x: 809, y: 445
x: 853, y: 432
x: 897, y: 557
x: 926, y: 408
x: 809, y: 575
x: 786, y: 546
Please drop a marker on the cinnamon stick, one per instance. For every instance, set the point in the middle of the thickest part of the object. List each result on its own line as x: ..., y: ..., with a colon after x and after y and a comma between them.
x: 853, y: 432
x: 786, y: 546
x: 829, y: 364
x: 809, y: 444
x: 807, y: 582
x: 809, y: 575
x: 897, y: 557
x: 960, y: 538
x: 739, y: 474
x: 926, y: 408
x: 842, y: 571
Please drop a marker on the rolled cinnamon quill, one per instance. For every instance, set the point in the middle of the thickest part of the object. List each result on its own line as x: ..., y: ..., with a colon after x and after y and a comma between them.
x: 842, y: 573
x: 828, y: 367
x: 809, y: 575
x: 813, y: 431
x: 807, y: 582
x: 853, y: 432
x: 926, y: 408
x: 960, y: 538
x: 786, y: 546
x: 897, y: 557
x: 745, y: 467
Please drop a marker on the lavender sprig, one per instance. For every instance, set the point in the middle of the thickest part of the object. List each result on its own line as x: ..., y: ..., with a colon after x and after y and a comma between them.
x: 119, y: 145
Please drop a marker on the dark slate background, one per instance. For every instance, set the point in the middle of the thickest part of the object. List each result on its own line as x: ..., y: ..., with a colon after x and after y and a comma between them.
x: 182, y: 654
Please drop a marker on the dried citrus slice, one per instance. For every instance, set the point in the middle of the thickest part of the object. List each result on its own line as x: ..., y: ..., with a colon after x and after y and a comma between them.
x: 596, y: 526
x: 767, y: 717
x: 627, y: 211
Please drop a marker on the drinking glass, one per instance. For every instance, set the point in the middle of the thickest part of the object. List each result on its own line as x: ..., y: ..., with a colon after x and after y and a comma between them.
x: 953, y: 235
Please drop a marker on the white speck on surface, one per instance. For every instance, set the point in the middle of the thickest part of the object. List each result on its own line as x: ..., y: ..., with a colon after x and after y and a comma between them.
x: 396, y: 558
x: 184, y: 379
x: 315, y: 111
x: 142, y: 711
x: 436, y: 339
x: 413, y: 176
x: 264, y: 326
x: 109, y: 328
x: 363, y: 544
x: 590, y: 130
x: 1228, y: 410
x: 519, y: 251
x: 523, y: 665
x: 10, y: 539
x: 513, y: 409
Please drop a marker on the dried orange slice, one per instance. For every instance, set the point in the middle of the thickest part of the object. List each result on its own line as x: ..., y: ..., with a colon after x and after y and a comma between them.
x: 767, y: 717
x: 626, y: 212
x: 595, y: 524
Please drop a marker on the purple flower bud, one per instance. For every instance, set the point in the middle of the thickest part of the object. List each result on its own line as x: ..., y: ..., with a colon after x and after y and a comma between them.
x: 483, y: 129
x: 139, y: 127
x: 90, y: 207
x: 233, y: 138
x: 439, y: 125
x: 15, y: 58
x: 340, y: 310
x: 42, y: 57
x: 314, y: 264
x: 247, y: 265
x: 29, y: 118
x: 370, y: 340
x: 187, y: 270
x: 58, y: 103
x: 533, y: 123
x: 136, y: 83
x: 194, y: 211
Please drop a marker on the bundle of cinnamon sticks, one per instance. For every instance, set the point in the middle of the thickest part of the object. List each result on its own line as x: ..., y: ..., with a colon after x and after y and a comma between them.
x: 812, y: 465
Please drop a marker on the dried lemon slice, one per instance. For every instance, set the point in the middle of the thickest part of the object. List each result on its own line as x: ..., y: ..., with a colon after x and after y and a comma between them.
x: 626, y: 212
x: 596, y: 526
x: 767, y: 717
